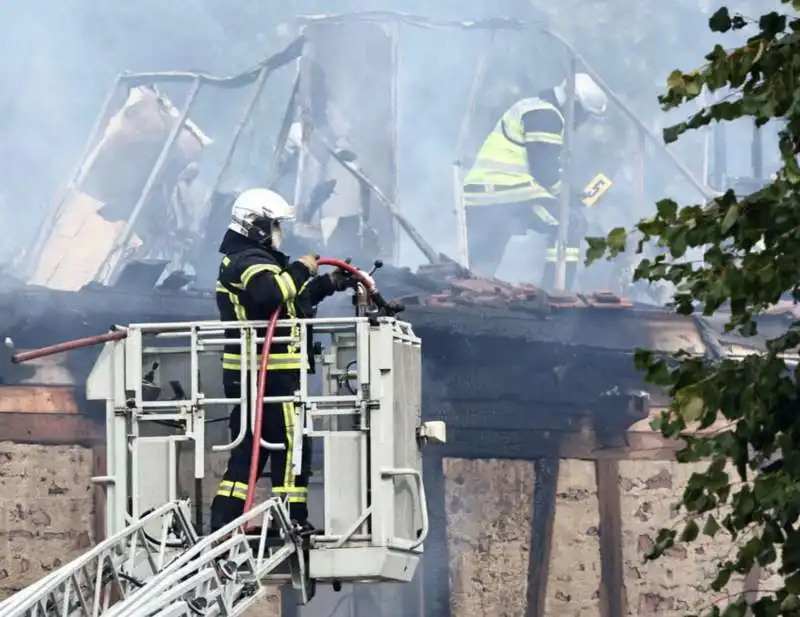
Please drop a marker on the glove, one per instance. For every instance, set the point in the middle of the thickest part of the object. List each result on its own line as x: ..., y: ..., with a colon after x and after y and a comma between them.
x: 341, y: 279
x: 324, y: 286
x: 310, y: 262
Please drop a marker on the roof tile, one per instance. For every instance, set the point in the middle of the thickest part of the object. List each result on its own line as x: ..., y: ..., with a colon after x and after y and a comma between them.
x: 493, y: 292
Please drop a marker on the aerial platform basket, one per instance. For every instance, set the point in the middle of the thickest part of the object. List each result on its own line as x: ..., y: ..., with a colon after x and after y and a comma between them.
x: 161, y: 383
x: 363, y: 402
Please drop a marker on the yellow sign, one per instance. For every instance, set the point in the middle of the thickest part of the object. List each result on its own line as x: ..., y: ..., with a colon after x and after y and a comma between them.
x: 596, y: 188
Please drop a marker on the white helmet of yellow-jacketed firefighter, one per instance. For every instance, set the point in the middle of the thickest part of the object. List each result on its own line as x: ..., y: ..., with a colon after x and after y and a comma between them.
x: 588, y: 94
x: 258, y: 213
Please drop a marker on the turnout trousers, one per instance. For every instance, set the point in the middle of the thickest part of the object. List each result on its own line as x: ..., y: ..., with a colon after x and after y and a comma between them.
x: 277, y: 426
x: 491, y: 227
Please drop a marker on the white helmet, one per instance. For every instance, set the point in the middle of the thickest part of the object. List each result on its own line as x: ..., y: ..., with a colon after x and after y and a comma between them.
x: 588, y: 94
x: 257, y: 214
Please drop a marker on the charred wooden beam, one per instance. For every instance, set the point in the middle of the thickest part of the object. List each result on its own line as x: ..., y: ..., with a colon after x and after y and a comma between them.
x: 38, y: 399
x: 547, y: 443
x: 50, y: 429
x: 612, y: 581
x: 437, y: 550
x: 544, y: 510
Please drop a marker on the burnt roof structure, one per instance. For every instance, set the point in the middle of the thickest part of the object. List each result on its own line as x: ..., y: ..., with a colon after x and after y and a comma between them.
x: 514, y: 372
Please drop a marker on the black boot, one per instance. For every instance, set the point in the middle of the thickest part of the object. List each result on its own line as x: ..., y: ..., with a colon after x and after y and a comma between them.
x: 224, y: 510
x: 298, y: 512
x: 299, y: 515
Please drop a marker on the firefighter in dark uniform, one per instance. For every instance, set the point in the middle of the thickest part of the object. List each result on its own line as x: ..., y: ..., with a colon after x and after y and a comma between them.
x: 255, y: 279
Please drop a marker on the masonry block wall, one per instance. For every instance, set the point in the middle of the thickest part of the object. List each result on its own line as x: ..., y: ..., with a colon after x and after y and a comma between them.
x: 46, y: 510
x: 490, y: 506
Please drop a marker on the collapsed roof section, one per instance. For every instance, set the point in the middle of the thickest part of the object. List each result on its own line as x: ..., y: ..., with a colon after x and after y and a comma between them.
x: 123, y: 201
x: 92, y: 216
x: 345, y: 101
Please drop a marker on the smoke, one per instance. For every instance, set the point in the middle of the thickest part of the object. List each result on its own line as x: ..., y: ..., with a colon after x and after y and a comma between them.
x: 60, y: 59
x: 632, y: 47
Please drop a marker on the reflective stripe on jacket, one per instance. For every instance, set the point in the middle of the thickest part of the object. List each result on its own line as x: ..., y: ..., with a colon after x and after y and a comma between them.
x: 501, y: 166
x: 236, y: 271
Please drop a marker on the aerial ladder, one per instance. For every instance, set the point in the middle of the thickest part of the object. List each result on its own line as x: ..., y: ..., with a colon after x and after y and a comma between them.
x: 366, y: 411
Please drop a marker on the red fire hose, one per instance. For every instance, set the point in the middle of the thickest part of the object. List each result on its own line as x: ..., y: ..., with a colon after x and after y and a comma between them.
x: 33, y: 354
x: 262, y: 376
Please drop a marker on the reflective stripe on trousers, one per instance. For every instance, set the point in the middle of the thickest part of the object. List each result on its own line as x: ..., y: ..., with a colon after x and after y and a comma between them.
x: 295, y: 494
x: 571, y: 254
x: 237, y: 490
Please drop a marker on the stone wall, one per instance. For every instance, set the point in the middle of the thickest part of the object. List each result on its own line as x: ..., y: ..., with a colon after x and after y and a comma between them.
x: 489, y: 530
x: 489, y: 506
x: 46, y: 519
x: 679, y: 582
x: 46, y: 510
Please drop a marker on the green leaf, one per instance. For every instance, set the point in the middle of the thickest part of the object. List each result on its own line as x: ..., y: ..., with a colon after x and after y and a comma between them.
x: 738, y: 22
x: 736, y: 609
x: 720, y: 21
x: 658, y: 373
x: 790, y: 603
x: 746, y: 503
x: 617, y: 239
x: 693, y: 88
x: 693, y: 409
x: 764, y: 486
x: 679, y: 243
x: 772, y: 23
x: 597, y: 248
x: 690, y: 532
x: 690, y: 404
x: 675, y: 79
x: 671, y: 133
x: 731, y: 216
x: 722, y: 578
x: 711, y: 527
x: 792, y: 583
x: 667, y: 209
x: 735, y: 282
x: 643, y: 358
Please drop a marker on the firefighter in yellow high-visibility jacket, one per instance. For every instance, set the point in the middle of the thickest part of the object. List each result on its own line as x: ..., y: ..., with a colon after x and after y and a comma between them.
x: 514, y: 184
